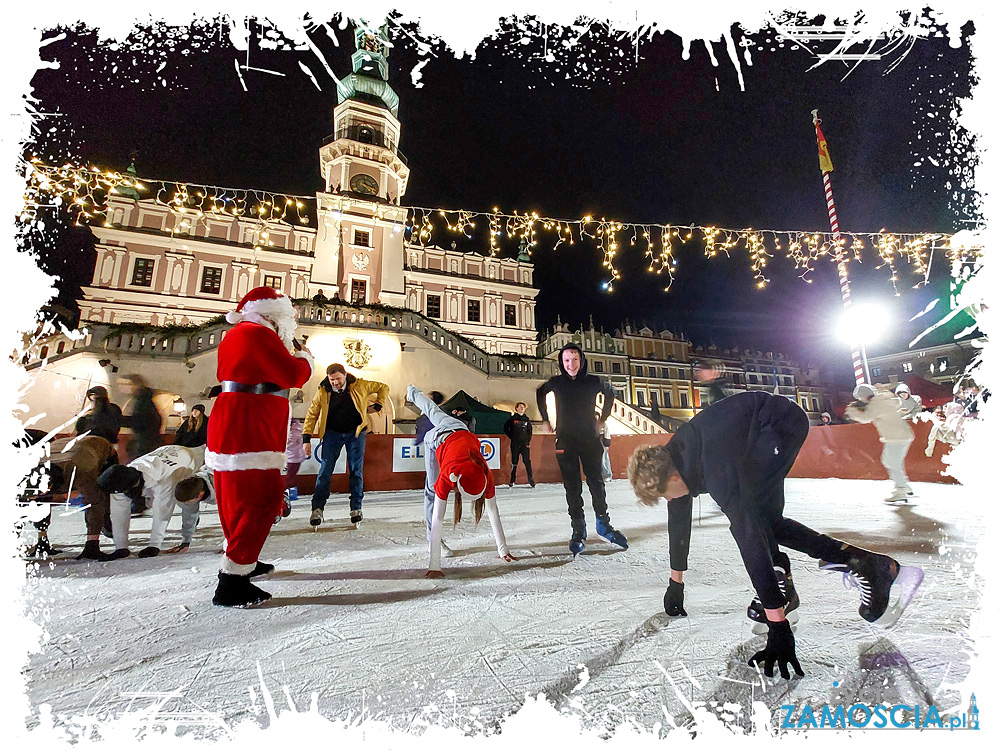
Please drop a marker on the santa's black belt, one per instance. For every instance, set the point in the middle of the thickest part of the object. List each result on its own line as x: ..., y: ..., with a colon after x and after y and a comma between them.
x: 254, y: 388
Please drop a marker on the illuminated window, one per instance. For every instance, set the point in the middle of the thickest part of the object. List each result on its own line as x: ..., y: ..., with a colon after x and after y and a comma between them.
x: 907, y: 367
x: 274, y: 282
x: 211, y: 280
x: 359, y: 291
x: 509, y: 315
x: 142, y: 272
x: 362, y: 238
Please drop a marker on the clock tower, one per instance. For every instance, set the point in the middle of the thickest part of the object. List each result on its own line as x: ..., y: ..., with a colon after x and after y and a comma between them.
x: 359, y: 242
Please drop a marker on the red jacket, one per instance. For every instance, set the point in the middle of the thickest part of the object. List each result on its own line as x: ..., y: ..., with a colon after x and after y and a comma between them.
x: 249, y: 431
x: 461, y: 456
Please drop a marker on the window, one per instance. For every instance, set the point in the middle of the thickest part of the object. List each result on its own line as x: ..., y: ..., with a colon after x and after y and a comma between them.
x: 638, y: 370
x: 876, y: 372
x: 473, y: 311
x: 684, y: 399
x: 619, y: 395
x: 640, y: 398
x: 616, y: 367
x: 907, y: 367
x: 363, y: 238
x: 509, y: 315
x: 142, y: 272
x: 942, y: 364
x: 433, y: 306
x: 274, y: 282
x: 359, y: 291
x: 598, y: 366
x: 666, y: 399
x: 666, y: 372
x: 211, y: 280
x: 815, y: 405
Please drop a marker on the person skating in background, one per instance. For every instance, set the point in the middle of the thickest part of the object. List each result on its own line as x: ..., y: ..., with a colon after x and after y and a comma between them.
x: 465, y: 416
x: 142, y: 416
x: 453, y: 461
x: 910, y: 405
x: 248, y: 433
x: 825, y: 419
x: 340, y: 415
x: 946, y: 428
x: 150, y: 481
x: 739, y: 451
x: 518, y: 430
x: 578, y: 441
x: 295, y: 454
x: 77, y: 469
x: 103, y: 419
x: 707, y: 375
x: 194, y: 430
x: 882, y: 409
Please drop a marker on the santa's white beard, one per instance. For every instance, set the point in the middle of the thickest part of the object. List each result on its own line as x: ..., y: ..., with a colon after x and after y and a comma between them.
x: 283, y: 325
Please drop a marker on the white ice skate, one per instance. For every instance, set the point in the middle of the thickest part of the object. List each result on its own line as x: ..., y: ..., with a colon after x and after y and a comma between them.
x: 900, y: 496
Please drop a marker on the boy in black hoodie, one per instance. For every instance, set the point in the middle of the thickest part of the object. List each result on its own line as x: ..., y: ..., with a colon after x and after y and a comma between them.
x: 578, y: 441
x: 739, y: 450
x: 518, y: 429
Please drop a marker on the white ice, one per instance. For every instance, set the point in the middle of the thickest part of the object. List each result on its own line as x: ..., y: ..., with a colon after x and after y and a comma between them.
x: 354, y: 621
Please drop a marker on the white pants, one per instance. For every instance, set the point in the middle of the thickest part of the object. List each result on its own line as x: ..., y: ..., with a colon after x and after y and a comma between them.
x: 893, y: 458
x: 163, y: 509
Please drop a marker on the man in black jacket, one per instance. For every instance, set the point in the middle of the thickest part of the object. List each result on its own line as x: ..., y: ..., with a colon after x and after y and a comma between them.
x: 518, y: 429
x: 578, y: 441
x: 739, y: 450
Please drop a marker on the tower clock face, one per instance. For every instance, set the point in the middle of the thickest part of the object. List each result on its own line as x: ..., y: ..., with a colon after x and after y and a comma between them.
x: 364, y: 184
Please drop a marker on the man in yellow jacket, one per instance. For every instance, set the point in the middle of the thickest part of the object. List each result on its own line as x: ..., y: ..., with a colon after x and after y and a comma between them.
x: 339, y: 415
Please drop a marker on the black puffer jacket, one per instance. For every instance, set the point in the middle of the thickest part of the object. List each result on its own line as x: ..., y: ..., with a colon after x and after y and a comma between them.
x: 576, y: 400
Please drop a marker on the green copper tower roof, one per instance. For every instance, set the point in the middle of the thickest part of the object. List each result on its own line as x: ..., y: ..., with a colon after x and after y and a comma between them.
x: 369, y: 82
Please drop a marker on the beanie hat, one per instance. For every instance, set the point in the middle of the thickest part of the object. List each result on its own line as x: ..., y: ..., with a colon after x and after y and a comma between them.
x: 261, y: 301
x: 863, y: 391
x: 470, y: 478
x: 119, y: 478
x: 902, y: 389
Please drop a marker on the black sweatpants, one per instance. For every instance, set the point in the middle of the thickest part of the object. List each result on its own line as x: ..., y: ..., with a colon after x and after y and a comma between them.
x: 571, y: 455
x: 517, y: 450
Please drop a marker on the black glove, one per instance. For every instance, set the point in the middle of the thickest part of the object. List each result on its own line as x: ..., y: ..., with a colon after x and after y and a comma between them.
x: 780, y: 648
x: 673, y: 600
x: 149, y: 552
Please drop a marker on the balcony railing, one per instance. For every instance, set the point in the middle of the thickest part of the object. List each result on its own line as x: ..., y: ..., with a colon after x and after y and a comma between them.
x: 366, y: 135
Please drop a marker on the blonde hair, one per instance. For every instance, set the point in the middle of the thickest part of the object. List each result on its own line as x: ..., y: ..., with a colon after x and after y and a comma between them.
x: 649, y: 467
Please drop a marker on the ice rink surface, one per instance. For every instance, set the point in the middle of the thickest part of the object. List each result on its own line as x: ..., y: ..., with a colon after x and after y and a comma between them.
x: 354, y: 623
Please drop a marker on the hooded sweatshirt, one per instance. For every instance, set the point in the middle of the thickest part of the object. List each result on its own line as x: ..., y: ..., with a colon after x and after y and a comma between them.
x: 576, y: 400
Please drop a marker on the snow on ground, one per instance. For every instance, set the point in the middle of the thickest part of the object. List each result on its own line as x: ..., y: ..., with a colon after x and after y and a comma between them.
x: 354, y: 622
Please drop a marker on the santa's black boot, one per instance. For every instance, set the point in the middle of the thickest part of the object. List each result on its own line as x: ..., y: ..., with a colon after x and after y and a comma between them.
x: 235, y: 591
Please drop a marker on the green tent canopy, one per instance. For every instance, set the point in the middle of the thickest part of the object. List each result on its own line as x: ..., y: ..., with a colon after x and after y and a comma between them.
x: 489, y: 421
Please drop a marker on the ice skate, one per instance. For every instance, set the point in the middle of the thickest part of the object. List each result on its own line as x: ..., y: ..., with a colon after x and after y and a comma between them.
x: 899, y: 495
x: 755, y: 611
x: 886, y: 587
x: 576, y: 542
x: 236, y: 591
x: 356, y: 517
x: 316, y: 518
x: 286, y: 504
x: 262, y: 569
x: 446, y: 552
x: 609, y: 533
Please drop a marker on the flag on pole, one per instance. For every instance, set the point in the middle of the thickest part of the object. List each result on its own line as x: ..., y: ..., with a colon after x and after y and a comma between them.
x: 825, y: 163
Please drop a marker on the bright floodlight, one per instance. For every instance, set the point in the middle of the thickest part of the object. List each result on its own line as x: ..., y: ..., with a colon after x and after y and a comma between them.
x: 863, y: 324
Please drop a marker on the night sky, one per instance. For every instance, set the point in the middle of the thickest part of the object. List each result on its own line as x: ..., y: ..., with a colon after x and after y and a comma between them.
x: 658, y: 140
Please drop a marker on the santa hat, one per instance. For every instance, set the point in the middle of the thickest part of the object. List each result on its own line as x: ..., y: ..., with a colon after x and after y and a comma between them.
x: 261, y: 302
x: 470, y: 478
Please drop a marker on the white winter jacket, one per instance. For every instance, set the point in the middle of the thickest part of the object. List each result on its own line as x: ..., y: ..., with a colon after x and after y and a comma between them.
x: 883, y: 412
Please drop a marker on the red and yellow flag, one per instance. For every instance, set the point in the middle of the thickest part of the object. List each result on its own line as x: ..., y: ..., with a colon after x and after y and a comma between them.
x: 825, y: 163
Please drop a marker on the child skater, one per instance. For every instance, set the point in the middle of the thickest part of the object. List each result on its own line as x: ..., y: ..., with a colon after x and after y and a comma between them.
x: 739, y: 450
x: 454, y: 461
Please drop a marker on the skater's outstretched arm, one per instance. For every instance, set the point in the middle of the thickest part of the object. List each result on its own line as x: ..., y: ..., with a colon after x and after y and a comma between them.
x: 494, y: 513
x: 434, y: 569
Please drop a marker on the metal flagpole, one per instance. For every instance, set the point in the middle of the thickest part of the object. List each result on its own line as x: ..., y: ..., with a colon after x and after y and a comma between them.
x: 826, y: 167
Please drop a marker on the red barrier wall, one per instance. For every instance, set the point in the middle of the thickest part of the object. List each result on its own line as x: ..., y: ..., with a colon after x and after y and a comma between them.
x: 843, y: 451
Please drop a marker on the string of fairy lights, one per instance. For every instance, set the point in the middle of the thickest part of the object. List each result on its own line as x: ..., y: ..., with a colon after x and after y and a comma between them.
x: 85, y: 192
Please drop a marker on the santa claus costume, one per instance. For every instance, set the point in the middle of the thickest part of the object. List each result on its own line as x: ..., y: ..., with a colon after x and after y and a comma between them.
x: 248, y: 432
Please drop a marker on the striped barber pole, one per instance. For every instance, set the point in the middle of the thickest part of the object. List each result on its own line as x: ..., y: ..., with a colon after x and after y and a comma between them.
x: 826, y: 166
